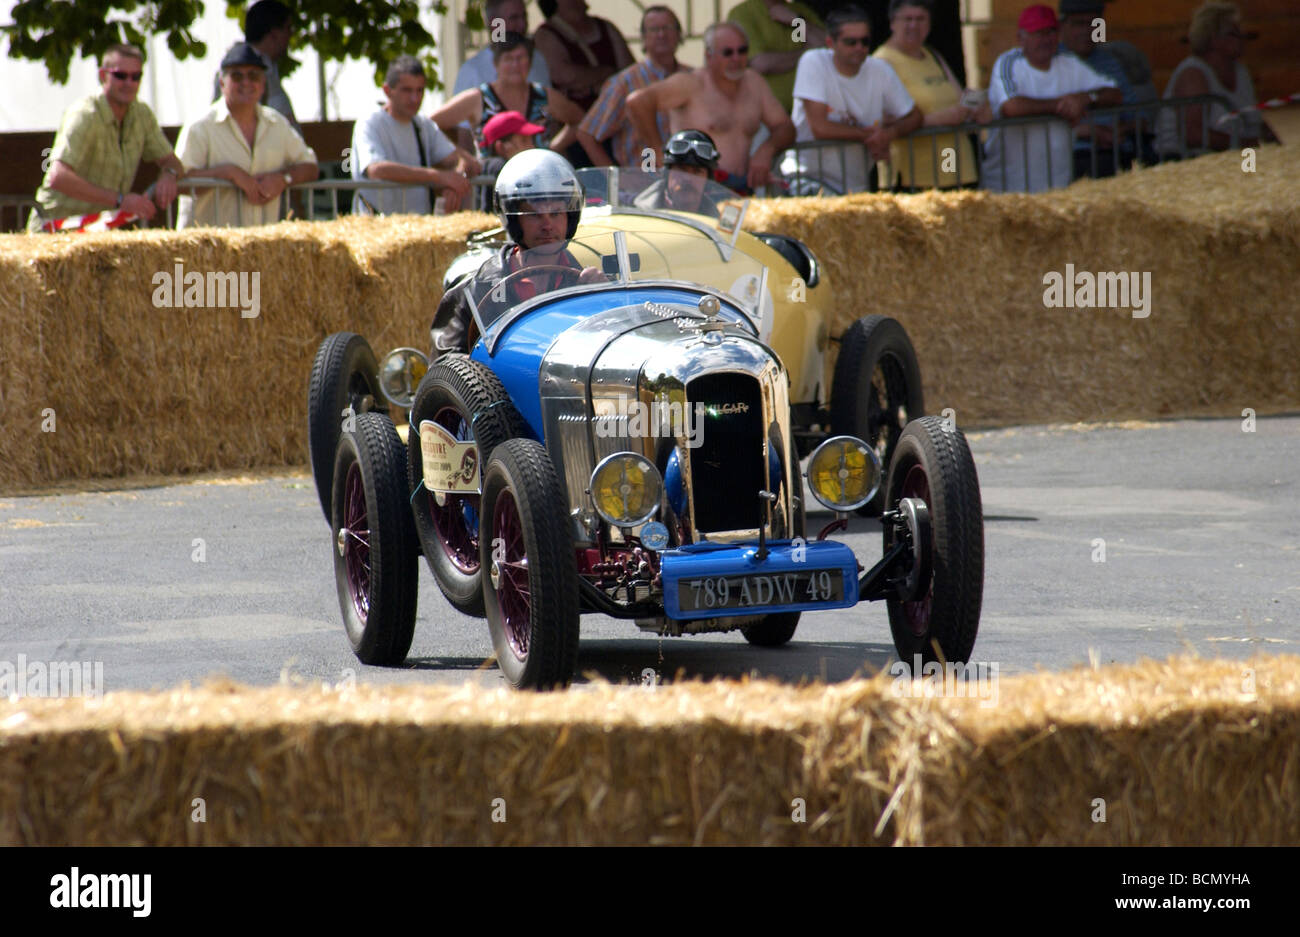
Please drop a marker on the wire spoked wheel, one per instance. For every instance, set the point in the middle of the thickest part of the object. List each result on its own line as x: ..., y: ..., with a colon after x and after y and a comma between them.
x: 530, y: 589
x: 375, y: 561
x: 509, y: 574
x: 466, y: 400
x: 455, y: 516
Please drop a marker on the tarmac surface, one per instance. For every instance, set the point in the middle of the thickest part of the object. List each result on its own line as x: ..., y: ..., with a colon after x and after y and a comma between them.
x: 1199, y: 520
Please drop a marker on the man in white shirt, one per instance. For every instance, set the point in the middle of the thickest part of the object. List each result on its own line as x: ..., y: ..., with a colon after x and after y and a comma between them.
x: 268, y: 27
x: 479, y: 68
x: 397, y: 144
x: 841, y: 94
x: 1039, y: 78
x: 245, y: 143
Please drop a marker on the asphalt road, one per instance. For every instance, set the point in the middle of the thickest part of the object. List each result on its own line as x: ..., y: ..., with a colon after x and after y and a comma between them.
x: 1200, y: 523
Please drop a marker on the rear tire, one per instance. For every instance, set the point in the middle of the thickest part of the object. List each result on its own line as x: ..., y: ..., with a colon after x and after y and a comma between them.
x: 344, y: 375
x: 375, y: 563
x: 876, y: 391
x: 772, y: 630
x: 531, y: 589
x: 469, y: 401
x: 934, y: 463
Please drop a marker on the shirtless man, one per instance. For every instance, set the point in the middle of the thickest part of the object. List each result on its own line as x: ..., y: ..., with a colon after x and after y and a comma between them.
x: 726, y: 99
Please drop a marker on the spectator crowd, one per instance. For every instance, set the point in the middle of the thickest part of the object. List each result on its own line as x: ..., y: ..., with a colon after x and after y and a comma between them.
x: 784, y: 99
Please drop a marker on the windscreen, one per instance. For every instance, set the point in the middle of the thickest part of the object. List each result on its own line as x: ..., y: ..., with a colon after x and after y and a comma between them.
x: 606, y: 257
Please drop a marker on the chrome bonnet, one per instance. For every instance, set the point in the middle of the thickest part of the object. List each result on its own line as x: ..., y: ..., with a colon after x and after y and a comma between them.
x: 621, y: 381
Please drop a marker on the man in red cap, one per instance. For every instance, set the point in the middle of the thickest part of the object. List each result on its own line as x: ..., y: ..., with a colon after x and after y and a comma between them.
x: 1038, y: 79
x: 504, y: 135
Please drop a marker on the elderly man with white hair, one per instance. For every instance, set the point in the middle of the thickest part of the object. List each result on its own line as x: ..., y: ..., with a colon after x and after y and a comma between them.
x: 726, y: 99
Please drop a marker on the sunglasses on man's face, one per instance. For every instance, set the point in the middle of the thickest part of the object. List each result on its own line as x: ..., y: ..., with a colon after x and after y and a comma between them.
x: 735, y: 50
x: 252, y: 75
x: 125, y: 76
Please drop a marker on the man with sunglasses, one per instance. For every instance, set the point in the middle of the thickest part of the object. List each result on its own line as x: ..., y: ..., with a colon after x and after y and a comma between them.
x: 843, y: 94
x: 243, y: 142
x: 728, y: 100
x: 98, y: 149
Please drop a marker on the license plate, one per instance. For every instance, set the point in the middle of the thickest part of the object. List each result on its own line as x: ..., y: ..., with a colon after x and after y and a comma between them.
x: 756, y: 590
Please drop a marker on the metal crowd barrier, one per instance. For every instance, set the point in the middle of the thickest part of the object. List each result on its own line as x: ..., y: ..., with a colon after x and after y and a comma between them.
x: 20, y: 206
x: 805, y: 169
x: 327, y: 189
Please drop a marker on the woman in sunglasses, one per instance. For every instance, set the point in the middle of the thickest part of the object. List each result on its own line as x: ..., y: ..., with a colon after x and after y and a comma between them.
x: 938, y: 94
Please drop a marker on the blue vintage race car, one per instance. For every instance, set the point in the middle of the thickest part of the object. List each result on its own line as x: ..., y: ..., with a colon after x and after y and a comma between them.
x: 625, y: 447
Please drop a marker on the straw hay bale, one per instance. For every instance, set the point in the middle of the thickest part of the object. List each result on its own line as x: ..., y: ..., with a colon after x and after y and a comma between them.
x: 1178, y: 750
x: 964, y: 274
x: 140, y: 390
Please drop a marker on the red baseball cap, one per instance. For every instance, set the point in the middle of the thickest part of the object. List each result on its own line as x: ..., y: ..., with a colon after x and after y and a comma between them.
x: 1036, y: 18
x: 506, y: 123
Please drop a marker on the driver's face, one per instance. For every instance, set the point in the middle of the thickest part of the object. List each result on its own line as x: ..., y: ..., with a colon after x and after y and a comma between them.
x: 686, y: 186
x: 545, y: 226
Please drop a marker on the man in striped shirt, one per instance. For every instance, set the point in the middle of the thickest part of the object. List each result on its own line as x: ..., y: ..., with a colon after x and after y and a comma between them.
x: 661, y: 32
x: 1037, y: 79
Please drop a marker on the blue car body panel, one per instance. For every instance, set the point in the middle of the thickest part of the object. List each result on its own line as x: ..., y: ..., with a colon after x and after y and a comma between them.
x: 524, y: 342
x: 713, y: 560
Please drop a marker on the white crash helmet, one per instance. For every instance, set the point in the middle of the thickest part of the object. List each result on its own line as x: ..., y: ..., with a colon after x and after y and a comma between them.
x: 535, y: 176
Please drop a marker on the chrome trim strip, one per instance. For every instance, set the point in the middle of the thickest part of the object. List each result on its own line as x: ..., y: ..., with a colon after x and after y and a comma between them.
x: 493, y: 336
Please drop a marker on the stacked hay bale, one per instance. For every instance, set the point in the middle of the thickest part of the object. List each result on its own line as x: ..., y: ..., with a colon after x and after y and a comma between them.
x: 1179, y: 752
x: 965, y: 274
x: 138, y: 388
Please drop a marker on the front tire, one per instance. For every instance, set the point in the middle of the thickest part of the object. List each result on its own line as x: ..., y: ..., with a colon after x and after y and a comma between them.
x: 933, y: 463
x: 531, y: 589
x: 469, y: 401
x: 375, y: 561
x: 876, y: 391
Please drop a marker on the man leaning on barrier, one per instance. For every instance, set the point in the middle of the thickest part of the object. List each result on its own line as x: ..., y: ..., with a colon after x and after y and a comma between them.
x: 244, y: 143
x: 726, y: 98
x: 1038, y: 79
x: 268, y: 27
x: 842, y: 94
x: 397, y: 144
x: 98, y: 149
x: 1078, y: 36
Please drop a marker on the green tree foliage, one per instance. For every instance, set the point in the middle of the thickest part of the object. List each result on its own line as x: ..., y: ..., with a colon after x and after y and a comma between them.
x: 55, y: 31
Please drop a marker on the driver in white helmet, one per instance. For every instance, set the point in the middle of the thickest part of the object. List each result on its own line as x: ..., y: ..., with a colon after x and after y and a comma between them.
x: 539, y: 200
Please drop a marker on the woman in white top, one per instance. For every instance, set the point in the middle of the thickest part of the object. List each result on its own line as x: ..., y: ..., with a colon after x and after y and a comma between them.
x: 1214, y: 67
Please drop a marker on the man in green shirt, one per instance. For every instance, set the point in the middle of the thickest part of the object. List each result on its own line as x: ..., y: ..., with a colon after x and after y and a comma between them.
x: 99, y: 147
x: 778, y: 40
